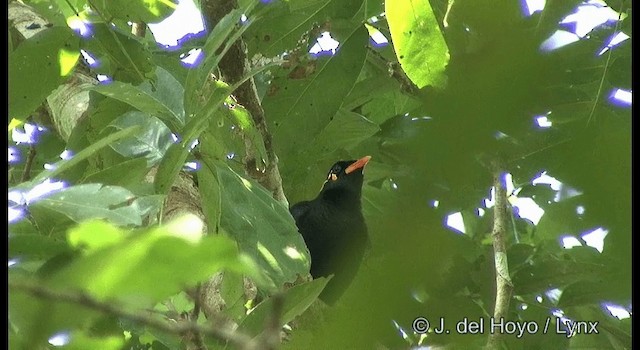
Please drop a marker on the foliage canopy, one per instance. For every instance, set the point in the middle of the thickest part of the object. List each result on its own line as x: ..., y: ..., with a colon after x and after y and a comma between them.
x: 460, y: 85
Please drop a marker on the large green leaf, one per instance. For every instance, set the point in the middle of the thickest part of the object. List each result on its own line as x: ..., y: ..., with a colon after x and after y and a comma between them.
x: 119, y: 54
x: 294, y: 302
x: 66, y: 164
x: 263, y: 228
x: 345, y: 130
x: 299, y: 107
x: 36, y: 320
x: 417, y: 40
x: 83, y: 202
x: 37, y: 66
x: 34, y: 246
x: 148, y: 11
x: 147, y: 266
x: 157, y: 101
x: 135, y: 169
x: 152, y: 142
x: 282, y: 25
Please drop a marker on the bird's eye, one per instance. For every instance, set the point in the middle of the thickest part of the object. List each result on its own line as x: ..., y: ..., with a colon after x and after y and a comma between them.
x: 332, y: 176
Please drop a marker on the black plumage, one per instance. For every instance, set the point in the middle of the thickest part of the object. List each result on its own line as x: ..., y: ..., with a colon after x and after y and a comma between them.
x: 333, y: 227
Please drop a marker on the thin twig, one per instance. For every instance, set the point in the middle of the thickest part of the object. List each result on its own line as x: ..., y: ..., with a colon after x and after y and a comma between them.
x: 504, y: 286
x: 604, y: 71
x: 236, y: 339
x: 26, y: 174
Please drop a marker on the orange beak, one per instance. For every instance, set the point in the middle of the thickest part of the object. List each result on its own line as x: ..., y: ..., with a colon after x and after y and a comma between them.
x: 358, y: 164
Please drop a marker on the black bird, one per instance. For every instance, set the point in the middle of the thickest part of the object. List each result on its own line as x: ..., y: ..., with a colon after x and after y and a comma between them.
x: 333, y: 227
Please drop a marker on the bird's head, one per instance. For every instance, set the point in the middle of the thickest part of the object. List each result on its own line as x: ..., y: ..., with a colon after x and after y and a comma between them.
x: 345, y: 177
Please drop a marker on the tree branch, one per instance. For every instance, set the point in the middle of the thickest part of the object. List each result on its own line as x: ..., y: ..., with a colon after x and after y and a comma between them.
x: 504, y: 286
x: 236, y: 339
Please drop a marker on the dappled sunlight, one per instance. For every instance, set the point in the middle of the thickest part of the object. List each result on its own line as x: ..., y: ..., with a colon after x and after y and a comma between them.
x: 543, y: 121
x: 620, y: 97
x: 595, y: 238
x: 67, y: 60
x: 377, y: 39
x: 569, y: 242
x: 192, y: 58
x: 29, y: 134
x: 616, y: 40
x: 293, y: 253
x: 188, y: 227
x: 103, y: 78
x: 586, y: 17
x: 186, y: 19
x: 559, y: 39
x: 269, y: 258
x: 81, y: 27
x: 325, y: 45
x: 14, y: 155
x: 60, y: 339
x: 616, y: 311
x: 532, y: 6
x: 589, y: 15
x: 456, y: 222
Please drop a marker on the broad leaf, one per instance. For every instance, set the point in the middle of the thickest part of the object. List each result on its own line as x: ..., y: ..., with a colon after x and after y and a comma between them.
x: 417, y: 40
x: 89, y: 201
x: 148, y: 11
x: 152, y: 143
x: 263, y: 228
x: 295, y: 301
x: 132, y: 268
x: 300, y: 106
x: 37, y: 66
x: 151, y: 102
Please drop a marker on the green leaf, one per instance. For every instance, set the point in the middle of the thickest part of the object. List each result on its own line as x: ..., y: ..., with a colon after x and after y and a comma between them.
x: 243, y: 119
x: 541, y: 193
x: 36, y: 320
x: 122, y: 55
x: 417, y: 40
x: 346, y: 130
x: 148, y: 11
x: 65, y: 165
x: 145, y: 101
x: 88, y: 201
x: 210, y: 190
x: 152, y: 142
x: 152, y: 265
x: 561, y: 218
x: 295, y: 301
x: 282, y: 25
x: 95, y: 234
x: 263, y: 228
x: 301, y: 106
x: 178, y: 152
x: 129, y: 172
x: 35, y: 246
x: 37, y: 66
x: 169, y: 167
